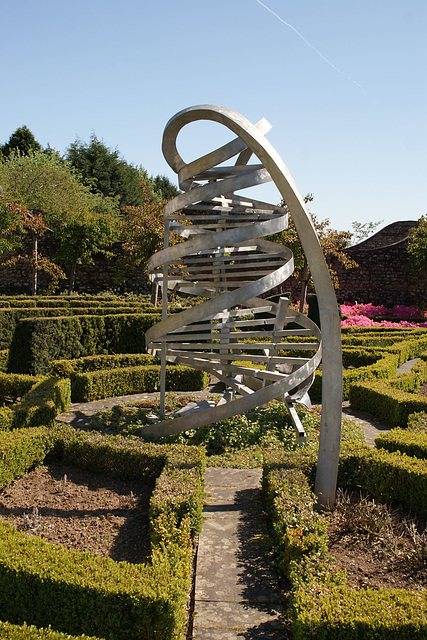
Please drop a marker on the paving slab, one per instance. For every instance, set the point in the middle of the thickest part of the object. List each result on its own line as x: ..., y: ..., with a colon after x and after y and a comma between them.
x: 237, y: 616
x: 236, y: 589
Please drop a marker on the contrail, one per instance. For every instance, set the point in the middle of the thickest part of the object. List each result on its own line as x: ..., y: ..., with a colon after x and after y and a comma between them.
x: 311, y: 46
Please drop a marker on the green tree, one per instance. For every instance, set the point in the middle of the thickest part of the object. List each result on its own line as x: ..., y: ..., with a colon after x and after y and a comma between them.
x: 362, y: 230
x: 10, y: 225
x: 43, y: 181
x: 83, y: 235
x: 417, y: 245
x: 332, y: 242
x: 21, y: 141
x: 106, y: 172
x: 163, y: 188
x: 15, y: 222
x: 49, y: 190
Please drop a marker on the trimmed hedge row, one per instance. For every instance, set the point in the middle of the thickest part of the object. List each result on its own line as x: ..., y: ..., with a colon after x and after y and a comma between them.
x: 4, y: 353
x: 95, y: 363
x: 389, y: 476
x: 368, y: 364
x: 43, y: 402
x: 10, y: 317
x: 37, y: 342
x: 95, y: 385
x: 40, y: 405
x: 30, y: 632
x: 411, y: 443
x: 71, y: 301
x: 322, y: 606
x: 77, y: 592
x: 21, y: 450
x: 392, y: 400
x: 16, y: 385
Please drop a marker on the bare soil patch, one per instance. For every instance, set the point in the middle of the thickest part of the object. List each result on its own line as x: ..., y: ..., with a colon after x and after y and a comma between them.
x: 81, y: 510
x: 379, y: 547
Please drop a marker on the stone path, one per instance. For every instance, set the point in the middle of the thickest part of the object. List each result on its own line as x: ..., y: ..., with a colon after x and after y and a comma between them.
x: 236, y: 590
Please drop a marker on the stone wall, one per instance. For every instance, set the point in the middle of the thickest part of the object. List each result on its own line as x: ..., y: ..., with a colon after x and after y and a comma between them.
x: 383, y: 275
x: 103, y: 275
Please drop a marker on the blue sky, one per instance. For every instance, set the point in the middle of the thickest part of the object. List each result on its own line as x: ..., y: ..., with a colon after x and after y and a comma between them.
x: 344, y: 85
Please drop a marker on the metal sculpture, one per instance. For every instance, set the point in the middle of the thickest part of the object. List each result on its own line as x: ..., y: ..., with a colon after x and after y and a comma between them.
x: 236, y: 334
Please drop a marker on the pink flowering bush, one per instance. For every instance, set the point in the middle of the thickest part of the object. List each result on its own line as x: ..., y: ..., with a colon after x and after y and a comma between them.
x: 372, y: 311
x: 360, y: 315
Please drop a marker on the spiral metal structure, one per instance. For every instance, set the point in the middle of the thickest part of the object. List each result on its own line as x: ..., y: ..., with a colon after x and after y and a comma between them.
x: 248, y: 342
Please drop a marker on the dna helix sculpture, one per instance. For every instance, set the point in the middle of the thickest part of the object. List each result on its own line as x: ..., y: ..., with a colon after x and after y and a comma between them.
x: 236, y: 334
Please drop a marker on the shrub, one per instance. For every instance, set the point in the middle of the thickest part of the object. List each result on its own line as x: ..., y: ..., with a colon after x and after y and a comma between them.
x: 38, y: 342
x: 16, y: 385
x: 77, y: 592
x: 389, y: 476
x: 29, y: 632
x: 367, y: 364
x: 387, y: 403
x: 43, y: 402
x: 94, y: 363
x: 404, y: 440
x: 95, y: 385
x: 22, y: 450
x: 321, y: 605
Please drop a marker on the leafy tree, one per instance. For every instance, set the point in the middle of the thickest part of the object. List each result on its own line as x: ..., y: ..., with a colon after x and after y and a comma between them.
x: 143, y: 229
x: 163, y: 188
x: 50, y: 195
x: 21, y: 141
x: 362, y: 230
x: 10, y: 225
x: 21, y: 221
x: 83, y: 235
x: 106, y: 172
x: 332, y: 242
x: 43, y: 181
x: 417, y: 245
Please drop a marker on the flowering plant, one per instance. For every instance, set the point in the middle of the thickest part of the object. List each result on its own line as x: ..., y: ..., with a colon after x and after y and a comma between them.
x: 372, y: 311
x: 360, y: 315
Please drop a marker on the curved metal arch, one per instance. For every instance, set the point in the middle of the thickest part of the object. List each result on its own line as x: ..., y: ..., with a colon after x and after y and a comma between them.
x: 251, y: 140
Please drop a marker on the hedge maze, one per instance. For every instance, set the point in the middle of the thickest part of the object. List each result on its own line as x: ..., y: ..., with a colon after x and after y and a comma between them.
x: 57, y: 350
x: 322, y: 605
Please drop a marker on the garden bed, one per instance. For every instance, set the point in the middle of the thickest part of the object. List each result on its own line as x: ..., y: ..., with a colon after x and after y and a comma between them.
x: 379, y: 547
x: 81, y: 510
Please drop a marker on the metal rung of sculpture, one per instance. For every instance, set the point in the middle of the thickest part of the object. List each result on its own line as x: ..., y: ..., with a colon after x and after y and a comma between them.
x: 259, y: 349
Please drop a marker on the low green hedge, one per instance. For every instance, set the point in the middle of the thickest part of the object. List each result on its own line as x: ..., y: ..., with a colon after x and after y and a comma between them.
x: 10, y: 317
x: 95, y: 363
x: 405, y: 441
x: 16, y: 385
x: 321, y: 605
x: 4, y: 354
x: 37, y: 342
x: 80, y: 593
x: 30, y: 632
x: 392, y: 400
x: 7, y: 415
x: 22, y: 449
x: 342, y: 613
x: 389, y: 476
x: 367, y: 364
x: 106, y: 383
x: 46, y: 399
